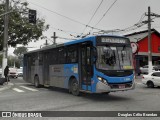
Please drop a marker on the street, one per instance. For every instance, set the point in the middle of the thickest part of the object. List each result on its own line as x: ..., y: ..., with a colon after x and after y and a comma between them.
x: 23, y: 96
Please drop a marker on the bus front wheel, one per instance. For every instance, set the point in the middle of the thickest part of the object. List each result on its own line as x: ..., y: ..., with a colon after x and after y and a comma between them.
x: 74, y: 87
x: 36, y: 82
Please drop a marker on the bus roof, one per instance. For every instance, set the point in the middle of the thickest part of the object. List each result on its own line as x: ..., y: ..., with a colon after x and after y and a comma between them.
x: 88, y: 38
x: 45, y: 48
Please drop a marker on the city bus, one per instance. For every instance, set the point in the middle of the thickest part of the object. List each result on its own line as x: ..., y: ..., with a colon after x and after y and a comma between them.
x: 93, y: 64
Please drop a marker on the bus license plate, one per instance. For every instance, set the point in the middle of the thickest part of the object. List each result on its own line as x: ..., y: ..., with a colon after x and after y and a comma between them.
x: 121, y: 86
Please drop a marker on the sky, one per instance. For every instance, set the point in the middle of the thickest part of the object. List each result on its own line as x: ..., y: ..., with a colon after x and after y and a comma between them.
x: 68, y: 18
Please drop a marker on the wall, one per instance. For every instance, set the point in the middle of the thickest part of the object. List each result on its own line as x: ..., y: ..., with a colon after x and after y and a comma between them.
x: 143, y: 44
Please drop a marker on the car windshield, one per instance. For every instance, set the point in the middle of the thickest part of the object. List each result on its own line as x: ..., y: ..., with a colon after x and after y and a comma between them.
x: 114, y: 58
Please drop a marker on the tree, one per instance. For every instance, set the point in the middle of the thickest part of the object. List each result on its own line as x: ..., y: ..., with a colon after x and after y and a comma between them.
x: 1, y: 56
x: 13, y: 61
x: 20, y: 30
x: 19, y: 51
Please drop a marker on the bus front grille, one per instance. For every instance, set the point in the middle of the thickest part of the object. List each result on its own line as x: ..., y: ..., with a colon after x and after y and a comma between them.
x: 120, y: 86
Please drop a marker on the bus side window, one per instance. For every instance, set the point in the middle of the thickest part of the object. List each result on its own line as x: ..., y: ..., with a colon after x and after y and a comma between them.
x: 34, y: 57
x: 53, y: 56
x: 25, y: 60
x: 61, y: 56
x: 72, y: 55
x: 40, y: 57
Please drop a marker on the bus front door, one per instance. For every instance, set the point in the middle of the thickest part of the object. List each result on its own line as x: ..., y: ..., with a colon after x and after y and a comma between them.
x: 85, y: 67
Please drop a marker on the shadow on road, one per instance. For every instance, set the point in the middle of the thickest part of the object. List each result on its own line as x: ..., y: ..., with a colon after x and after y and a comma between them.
x: 105, y: 97
x: 90, y: 96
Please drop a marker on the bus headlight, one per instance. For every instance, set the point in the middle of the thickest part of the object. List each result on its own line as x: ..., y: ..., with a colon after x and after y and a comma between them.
x: 102, y: 80
x: 99, y: 78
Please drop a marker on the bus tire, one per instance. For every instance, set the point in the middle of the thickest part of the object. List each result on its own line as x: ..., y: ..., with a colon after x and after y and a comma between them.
x: 36, y: 82
x: 74, y: 87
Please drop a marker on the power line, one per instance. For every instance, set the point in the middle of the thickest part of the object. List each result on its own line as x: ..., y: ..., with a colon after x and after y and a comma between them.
x: 58, y: 13
x: 66, y: 32
x: 142, y: 17
x: 65, y: 16
x: 93, y: 16
x: 133, y: 27
x: 106, y: 12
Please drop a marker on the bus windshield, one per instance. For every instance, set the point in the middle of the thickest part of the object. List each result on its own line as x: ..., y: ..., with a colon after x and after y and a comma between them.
x: 114, y: 58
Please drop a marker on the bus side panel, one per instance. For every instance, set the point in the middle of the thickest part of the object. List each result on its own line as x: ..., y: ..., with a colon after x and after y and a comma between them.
x: 32, y: 74
x: 25, y: 73
x: 56, y: 75
x: 70, y: 70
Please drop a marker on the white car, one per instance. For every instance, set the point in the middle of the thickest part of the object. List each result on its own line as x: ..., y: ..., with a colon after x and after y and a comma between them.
x: 13, y: 73
x: 20, y: 72
x: 152, y: 79
x: 144, y: 69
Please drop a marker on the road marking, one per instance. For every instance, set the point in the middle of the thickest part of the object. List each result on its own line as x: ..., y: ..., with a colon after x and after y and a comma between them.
x: 23, y: 83
x: 17, y: 90
x: 28, y: 88
x: 139, y: 83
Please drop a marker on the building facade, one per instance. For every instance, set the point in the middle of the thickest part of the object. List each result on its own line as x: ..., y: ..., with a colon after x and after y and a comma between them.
x: 141, y: 38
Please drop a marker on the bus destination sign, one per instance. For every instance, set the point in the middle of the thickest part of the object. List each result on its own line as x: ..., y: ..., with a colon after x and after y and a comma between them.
x: 112, y: 40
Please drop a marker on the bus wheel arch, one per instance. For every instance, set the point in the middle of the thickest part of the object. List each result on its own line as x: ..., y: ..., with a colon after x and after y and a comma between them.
x: 36, y: 81
x: 73, y: 86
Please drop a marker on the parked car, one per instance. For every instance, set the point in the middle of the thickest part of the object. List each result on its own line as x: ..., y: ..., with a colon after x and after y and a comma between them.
x: 152, y: 79
x: 144, y: 69
x: 13, y: 73
x: 20, y: 72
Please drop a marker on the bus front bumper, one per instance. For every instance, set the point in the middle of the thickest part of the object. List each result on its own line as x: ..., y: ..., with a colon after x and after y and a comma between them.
x: 101, y: 87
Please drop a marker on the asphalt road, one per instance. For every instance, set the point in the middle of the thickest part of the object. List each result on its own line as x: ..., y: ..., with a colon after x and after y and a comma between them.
x: 23, y: 96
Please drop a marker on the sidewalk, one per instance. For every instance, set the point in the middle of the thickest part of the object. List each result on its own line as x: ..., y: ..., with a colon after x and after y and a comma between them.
x: 6, y: 86
x: 138, y: 79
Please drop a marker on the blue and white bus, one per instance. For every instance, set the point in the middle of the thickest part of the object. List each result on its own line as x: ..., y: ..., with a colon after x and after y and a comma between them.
x: 94, y: 64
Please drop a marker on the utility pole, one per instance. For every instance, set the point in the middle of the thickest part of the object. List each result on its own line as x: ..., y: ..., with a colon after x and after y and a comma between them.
x: 149, y: 38
x: 149, y: 42
x: 54, y: 38
x: 5, y: 42
x: 46, y: 43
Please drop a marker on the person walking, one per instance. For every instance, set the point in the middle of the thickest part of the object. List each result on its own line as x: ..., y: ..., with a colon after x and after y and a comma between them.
x: 6, y: 71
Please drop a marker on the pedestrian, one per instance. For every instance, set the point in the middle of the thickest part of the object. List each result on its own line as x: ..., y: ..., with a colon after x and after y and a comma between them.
x: 6, y: 71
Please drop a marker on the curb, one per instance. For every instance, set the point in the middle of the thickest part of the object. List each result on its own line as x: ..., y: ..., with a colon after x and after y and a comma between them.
x: 6, y: 86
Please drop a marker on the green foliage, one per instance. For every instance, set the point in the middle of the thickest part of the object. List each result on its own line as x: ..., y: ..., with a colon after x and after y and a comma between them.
x: 1, y: 56
x: 13, y: 60
x: 19, y: 51
x: 20, y: 30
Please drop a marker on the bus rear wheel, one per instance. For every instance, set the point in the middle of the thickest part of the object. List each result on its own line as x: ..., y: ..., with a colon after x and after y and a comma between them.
x: 74, y: 87
x: 36, y: 82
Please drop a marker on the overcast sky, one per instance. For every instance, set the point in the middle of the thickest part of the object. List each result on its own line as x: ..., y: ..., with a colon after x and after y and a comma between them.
x: 67, y: 17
